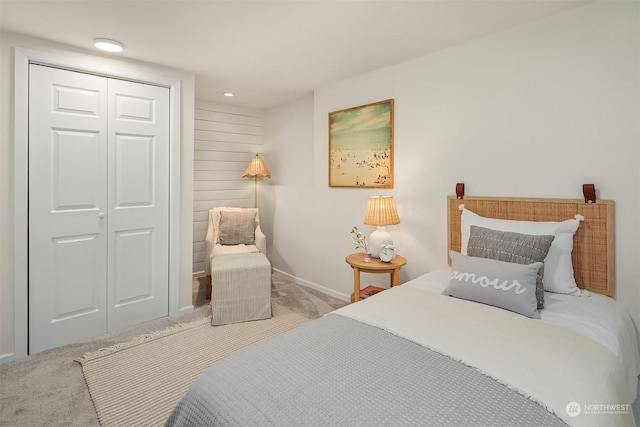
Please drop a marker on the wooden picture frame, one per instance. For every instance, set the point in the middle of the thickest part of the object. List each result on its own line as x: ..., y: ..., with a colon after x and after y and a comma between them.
x: 361, y: 146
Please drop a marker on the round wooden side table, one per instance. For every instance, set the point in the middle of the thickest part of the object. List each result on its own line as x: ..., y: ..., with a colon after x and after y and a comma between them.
x: 375, y: 266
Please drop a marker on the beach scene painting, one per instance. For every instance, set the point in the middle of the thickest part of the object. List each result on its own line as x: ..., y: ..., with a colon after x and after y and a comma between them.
x: 361, y: 146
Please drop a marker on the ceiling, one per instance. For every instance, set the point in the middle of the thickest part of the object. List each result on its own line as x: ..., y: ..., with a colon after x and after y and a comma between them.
x: 271, y: 52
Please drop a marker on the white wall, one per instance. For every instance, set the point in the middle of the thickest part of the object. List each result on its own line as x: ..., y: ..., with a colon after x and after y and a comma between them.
x: 7, y: 43
x: 534, y: 111
x: 298, y: 226
x: 226, y: 139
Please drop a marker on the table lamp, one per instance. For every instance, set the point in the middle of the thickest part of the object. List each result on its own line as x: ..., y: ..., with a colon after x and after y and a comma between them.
x: 381, y: 211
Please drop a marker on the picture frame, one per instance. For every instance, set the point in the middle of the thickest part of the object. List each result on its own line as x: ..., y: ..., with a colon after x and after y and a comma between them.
x: 361, y: 146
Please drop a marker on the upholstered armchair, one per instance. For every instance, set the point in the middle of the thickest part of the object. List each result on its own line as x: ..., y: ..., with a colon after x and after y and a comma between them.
x: 233, y: 231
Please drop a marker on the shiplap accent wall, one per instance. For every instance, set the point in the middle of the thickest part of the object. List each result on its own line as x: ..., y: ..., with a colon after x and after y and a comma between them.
x: 226, y: 138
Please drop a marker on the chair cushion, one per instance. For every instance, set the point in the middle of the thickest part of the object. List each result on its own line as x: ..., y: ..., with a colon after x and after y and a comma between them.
x: 237, y: 228
x: 242, y: 262
x: 219, y: 250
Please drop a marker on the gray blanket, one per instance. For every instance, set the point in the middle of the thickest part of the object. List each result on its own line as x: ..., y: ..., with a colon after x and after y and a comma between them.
x: 336, y: 371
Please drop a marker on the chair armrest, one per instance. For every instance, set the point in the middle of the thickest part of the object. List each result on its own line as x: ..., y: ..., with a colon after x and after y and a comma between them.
x: 261, y: 240
x: 209, y: 244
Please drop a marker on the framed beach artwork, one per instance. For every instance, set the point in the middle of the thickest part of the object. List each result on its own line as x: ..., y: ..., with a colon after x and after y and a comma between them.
x: 361, y: 146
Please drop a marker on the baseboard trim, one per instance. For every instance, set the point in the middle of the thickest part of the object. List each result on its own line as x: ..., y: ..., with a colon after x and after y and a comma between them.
x: 314, y: 286
x: 7, y: 358
x: 296, y: 280
x: 186, y: 310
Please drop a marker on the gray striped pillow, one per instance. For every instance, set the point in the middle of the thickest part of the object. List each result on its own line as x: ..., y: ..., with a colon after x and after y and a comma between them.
x: 511, y: 247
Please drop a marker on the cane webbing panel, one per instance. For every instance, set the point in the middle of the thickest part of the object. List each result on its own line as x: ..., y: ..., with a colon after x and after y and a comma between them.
x: 593, y: 256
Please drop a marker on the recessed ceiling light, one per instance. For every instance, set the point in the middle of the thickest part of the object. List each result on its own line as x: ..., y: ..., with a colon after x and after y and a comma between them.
x: 108, y: 45
x: 229, y: 94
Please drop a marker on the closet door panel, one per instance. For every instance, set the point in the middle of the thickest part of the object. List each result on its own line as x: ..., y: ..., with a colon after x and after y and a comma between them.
x: 134, y: 170
x: 67, y: 205
x: 134, y: 275
x: 138, y: 203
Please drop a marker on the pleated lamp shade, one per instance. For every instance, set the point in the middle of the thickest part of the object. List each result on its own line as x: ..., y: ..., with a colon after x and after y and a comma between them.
x: 256, y: 169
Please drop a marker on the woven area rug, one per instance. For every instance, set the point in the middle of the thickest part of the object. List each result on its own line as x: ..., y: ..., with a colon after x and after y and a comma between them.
x: 139, y: 382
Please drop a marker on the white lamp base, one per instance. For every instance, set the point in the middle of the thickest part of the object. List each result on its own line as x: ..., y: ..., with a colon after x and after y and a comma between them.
x: 377, y: 238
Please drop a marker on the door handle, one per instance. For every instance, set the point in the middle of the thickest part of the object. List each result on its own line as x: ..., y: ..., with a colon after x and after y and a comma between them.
x: 101, y: 215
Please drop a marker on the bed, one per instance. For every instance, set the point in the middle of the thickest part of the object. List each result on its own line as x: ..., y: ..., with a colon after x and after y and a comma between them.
x: 429, y: 353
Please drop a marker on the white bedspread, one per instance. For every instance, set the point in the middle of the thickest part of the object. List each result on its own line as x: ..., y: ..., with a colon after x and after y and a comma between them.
x: 595, y: 316
x: 538, y: 359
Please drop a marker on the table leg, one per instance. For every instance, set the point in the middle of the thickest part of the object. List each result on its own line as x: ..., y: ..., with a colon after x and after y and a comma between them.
x: 395, y: 277
x: 356, y: 284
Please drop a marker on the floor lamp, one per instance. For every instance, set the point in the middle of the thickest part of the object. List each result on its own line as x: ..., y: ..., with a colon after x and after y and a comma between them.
x: 256, y: 170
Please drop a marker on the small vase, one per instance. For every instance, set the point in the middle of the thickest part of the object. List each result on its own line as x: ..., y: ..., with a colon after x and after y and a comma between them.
x: 367, y: 257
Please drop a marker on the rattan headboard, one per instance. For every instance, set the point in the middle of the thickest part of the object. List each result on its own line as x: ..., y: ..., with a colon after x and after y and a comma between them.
x: 593, y: 243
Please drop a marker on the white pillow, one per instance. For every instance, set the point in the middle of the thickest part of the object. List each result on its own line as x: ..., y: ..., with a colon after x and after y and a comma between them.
x: 558, y: 268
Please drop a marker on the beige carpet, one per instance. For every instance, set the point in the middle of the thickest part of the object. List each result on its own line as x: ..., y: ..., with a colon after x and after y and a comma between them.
x: 139, y: 382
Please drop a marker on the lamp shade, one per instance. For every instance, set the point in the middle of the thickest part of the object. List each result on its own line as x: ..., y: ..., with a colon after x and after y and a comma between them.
x: 256, y: 169
x: 381, y: 211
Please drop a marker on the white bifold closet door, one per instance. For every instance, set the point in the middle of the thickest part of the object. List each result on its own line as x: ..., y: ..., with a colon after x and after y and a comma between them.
x: 98, y: 205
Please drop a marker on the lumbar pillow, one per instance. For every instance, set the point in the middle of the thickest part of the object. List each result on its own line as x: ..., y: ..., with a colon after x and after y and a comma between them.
x: 237, y: 228
x: 511, y: 247
x: 558, y: 272
x: 501, y: 284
